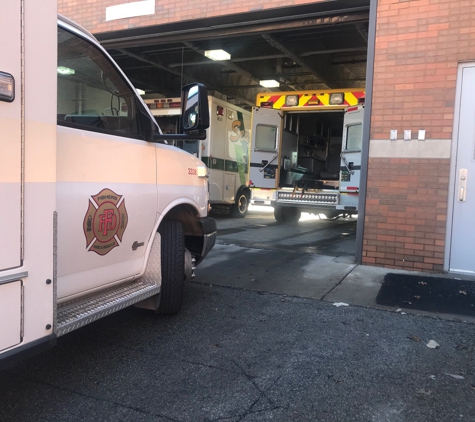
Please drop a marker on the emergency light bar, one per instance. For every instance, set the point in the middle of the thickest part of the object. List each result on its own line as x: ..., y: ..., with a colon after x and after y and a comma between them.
x: 164, y: 103
x: 305, y: 99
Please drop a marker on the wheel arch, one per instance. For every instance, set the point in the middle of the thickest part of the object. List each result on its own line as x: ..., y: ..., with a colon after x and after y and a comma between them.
x: 243, y: 189
x: 189, y: 217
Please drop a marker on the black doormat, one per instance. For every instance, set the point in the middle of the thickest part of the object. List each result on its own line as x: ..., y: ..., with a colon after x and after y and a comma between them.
x: 433, y: 294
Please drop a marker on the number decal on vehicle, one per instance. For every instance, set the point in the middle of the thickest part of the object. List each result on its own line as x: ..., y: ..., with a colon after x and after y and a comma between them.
x: 192, y: 171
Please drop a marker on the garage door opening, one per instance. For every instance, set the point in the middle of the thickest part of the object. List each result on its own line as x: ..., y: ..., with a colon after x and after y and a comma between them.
x: 319, y: 46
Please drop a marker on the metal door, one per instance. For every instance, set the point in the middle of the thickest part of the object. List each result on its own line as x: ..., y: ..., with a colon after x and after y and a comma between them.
x: 461, y: 254
x: 350, y: 167
x: 266, y: 130
x: 10, y: 136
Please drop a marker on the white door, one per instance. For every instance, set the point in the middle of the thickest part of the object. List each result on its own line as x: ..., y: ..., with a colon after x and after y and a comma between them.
x: 106, y: 191
x: 461, y: 255
x: 10, y: 136
x: 266, y: 129
x: 350, y: 166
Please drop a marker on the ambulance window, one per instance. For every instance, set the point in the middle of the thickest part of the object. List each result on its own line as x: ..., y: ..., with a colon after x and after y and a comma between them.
x: 92, y: 95
x: 266, y: 137
x: 354, y: 137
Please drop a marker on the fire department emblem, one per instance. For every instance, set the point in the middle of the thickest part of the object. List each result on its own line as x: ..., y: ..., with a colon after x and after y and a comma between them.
x: 105, y: 222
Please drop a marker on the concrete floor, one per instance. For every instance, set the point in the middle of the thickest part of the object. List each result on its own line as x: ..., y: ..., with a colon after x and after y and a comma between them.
x: 313, y: 258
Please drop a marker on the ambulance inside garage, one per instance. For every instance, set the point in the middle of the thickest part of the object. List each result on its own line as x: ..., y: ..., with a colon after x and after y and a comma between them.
x: 305, y: 50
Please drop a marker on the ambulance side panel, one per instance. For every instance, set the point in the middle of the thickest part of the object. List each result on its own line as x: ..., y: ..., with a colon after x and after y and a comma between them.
x: 27, y: 277
x: 237, y: 147
x: 11, y: 140
x: 215, y: 151
x: 226, y: 150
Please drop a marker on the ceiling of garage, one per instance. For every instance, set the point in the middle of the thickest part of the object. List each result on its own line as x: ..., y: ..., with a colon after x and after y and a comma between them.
x: 318, y: 46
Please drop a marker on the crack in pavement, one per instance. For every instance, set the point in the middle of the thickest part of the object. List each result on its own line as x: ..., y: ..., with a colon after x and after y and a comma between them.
x: 100, y: 400
x: 262, y: 394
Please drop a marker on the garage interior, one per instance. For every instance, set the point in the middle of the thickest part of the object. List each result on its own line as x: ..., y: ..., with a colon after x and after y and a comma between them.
x: 317, y: 46
x: 323, y: 45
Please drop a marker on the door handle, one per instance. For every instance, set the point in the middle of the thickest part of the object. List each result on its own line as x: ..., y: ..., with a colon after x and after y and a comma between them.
x: 463, y: 174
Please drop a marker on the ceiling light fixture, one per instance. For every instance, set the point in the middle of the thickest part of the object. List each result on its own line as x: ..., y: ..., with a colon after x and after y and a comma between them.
x: 217, y: 55
x: 269, y: 83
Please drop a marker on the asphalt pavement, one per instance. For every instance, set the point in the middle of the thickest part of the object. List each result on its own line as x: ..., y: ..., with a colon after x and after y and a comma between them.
x: 237, y: 355
x: 268, y: 337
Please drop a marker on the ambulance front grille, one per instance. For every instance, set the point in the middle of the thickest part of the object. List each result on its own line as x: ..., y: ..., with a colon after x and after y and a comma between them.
x: 79, y: 312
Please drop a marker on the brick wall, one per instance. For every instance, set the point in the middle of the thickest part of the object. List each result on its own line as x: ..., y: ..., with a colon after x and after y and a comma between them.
x: 91, y: 13
x: 418, y: 46
x: 406, y: 210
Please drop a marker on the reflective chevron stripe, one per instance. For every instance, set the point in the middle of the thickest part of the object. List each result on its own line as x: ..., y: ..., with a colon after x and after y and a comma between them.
x: 317, y: 99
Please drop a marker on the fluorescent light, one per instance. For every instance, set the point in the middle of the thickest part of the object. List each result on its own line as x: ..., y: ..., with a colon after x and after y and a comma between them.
x: 140, y: 91
x: 217, y: 55
x: 269, y: 83
x: 63, y: 70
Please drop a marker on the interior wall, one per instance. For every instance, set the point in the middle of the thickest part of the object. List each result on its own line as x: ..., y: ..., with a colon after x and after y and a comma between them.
x: 93, y: 17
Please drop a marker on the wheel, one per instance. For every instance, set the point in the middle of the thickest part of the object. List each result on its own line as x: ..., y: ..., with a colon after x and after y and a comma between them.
x: 240, y: 208
x: 173, y: 267
x: 292, y: 215
x: 279, y: 214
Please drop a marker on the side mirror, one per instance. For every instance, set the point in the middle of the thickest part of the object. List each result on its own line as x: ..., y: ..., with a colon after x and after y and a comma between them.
x: 194, y: 108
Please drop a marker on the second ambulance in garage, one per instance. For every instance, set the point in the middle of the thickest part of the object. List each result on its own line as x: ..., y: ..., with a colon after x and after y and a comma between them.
x: 225, y: 150
x: 306, y: 152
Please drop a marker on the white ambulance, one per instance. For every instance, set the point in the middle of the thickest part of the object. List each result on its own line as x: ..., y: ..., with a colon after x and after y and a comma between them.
x: 225, y: 150
x: 306, y: 152
x: 97, y: 213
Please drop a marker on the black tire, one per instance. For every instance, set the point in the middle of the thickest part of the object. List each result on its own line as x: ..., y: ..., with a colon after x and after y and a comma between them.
x: 173, y: 267
x: 240, y: 208
x: 292, y: 215
x: 279, y: 214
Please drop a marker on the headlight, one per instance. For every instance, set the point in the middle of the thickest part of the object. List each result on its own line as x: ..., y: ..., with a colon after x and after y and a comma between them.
x: 202, y: 171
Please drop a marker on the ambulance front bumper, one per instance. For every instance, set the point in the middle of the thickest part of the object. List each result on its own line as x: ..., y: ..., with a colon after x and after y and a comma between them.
x: 210, y: 230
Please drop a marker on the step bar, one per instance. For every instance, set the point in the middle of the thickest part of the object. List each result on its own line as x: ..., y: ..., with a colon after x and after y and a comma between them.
x: 77, y: 313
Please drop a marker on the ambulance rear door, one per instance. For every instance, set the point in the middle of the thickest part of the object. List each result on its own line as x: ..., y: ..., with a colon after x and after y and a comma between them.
x: 350, y: 166
x: 266, y: 130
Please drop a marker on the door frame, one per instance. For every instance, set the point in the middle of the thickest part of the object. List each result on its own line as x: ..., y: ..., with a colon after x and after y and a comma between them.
x: 360, y: 226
